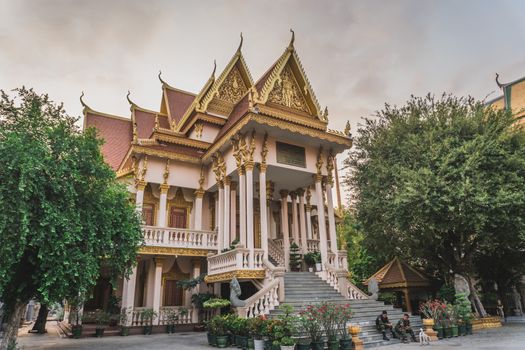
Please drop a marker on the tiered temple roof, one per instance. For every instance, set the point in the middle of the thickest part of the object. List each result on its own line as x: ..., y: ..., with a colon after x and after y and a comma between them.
x: 282, y: 94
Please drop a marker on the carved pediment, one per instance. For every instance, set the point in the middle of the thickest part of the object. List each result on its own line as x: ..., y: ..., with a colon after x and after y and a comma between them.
x: 233, y: 87
x: 286, y: 92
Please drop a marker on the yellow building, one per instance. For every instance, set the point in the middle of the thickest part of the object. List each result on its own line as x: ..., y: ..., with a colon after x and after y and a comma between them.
x: 513, y: 97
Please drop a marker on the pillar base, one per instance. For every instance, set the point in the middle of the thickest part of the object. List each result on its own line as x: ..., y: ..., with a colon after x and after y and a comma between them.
x: 431, y: 333
x: 357, y: 344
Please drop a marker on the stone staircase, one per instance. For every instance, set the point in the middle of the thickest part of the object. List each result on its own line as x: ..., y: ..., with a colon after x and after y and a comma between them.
x: 306, y: 288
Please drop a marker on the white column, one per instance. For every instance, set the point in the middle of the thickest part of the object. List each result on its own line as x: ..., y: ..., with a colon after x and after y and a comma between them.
x: 156, y: 287
x: 196, y: 264
x: 139, y: 199
x: 309, y: 221
x: 295, y: 221
x: 233, y: 211
x: 161, y: 216
x: 242, y: 206
x: 220, y: 218
x: 226, y: 220
x: 150, y: 284
x: 250, y: 239
x: 331, y: 221
x: 216, y: 199
x: 320, y: 217
x: 128, y: 292
x: 302, y: 220
x: 286, y: 234
x: 199, y: 195
x: 263, y: 210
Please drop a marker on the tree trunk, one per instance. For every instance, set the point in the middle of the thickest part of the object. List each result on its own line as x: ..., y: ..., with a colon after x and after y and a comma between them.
x: 40, y: 323
x: 12, y: 324
x: 478, y: 305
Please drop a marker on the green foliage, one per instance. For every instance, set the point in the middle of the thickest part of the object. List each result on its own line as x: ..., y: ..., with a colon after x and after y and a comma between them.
x: 440, y: 183
x: 361, y: 263
x: 216, y: 303
x: 311, y: 258
x: 191, y: 283
x: 295, y: 257
x: 63, y: 212
x: 147, y: 316
x: 101, y: 318
x: 463, y: 308
x: 446, y: 292
x: 199, y: 299
x: 387, y: 297
x: 218, y: 325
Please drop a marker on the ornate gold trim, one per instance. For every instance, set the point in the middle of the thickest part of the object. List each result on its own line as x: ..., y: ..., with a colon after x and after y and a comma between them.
x: 298, y: 118
x: 165, y: 154
x: 181, y: 140
x: 174, y: 251
x: 239, y: 274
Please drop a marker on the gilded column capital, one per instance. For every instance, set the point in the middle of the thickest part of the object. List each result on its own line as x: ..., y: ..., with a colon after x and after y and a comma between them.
x: 308, y: 207
x: 317, y: 177
x: 240, y: 170
x: 293, y: 195
x: 164, y: 188
x: 159, y: 260
x: 300, y: 192
x: 283, y: 193
x: 263, y: 167
x: 227, y: 180
x: 220, y: 183
x: 233, y: 185
x: 319, y: 163
x: 199, y: 193
x: 249, y: 165
x: 308, y: 196
x: 141, y: 185
x: 330, y: 167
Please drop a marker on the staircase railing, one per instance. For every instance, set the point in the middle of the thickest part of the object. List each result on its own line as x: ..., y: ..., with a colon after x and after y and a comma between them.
x: 262, y: 302
x: 275, y: 252
x: 338, y: 278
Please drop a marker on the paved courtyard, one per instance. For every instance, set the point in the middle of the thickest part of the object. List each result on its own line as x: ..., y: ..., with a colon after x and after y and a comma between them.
x: 510, y: 337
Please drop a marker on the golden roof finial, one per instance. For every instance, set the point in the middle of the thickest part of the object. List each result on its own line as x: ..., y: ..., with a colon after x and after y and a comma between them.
x: 129, y: 100
x: 82, y: 101
x: 500, y: 85
x: 214, y: 68
x: 160, y: 78
x: 166, y: 171
x: 240, y: 44
x: 347, y: 128
x: 290, y: 45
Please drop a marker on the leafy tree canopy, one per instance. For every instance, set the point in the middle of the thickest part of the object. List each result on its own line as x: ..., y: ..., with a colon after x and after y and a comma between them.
x: 440, y: 182
x: 63, y: 213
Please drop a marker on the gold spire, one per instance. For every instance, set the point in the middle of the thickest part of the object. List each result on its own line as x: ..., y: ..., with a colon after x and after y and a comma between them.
x: 132, y: 104
x: 162, y: 80
x: 82, y: 101
x: 290, y: 45
x: 240, y: 44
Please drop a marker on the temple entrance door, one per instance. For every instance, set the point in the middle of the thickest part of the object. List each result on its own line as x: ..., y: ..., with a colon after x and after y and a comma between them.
x: 178, y: 217
x: 172, y: 293
x: 148, y: 214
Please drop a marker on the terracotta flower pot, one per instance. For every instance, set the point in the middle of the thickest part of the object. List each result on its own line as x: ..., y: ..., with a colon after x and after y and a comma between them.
x: 428, y: 322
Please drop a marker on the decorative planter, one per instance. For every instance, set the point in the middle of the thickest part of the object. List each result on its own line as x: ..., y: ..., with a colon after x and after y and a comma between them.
x: 440, y: 333
x: 345, y: 344
x: 99, y: 332
x: 212, y: 339
x: 250, y: 344
x: 222, y: 341
x: 310, y: 269
x: 455, y: 331
x: 333, y: 344
x: 258, y: 344
x: 428, y: 323
x: 242, y: 341
x: 469, y: 328
x: 318, y: 267
x: 170, y: 328
x: 76, y: 330
x: 303, y: 346
x: 318, y: 345
x: 447, y: 332
x: 287, y: 347
x: 147, y: 330
x: 124, y: 331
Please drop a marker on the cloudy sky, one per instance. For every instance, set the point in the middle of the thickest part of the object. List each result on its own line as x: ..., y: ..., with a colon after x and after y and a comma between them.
x: 357, y: 54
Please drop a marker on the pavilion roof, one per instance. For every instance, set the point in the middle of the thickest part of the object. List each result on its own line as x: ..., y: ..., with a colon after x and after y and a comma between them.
x: 398, y: 274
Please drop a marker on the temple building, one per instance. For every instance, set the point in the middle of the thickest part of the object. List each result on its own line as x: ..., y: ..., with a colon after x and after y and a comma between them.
x: 226, y: 180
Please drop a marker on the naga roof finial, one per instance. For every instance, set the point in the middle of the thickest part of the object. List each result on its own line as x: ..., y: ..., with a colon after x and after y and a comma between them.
x: 290, y: 45
x: 82, y: 101
x: 240, y: 44
x: 214, y: 68
x: 160, y: 78
x: 129, y: 100
x: 497, y: 82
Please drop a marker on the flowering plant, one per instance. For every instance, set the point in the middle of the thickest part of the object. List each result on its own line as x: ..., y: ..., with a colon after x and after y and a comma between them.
x: 311, y: 323
x: 332, y: 317
x: 436, y: 310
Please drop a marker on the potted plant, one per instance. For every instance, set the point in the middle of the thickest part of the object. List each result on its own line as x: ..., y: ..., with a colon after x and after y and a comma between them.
x: 281, y: 330
x: 311, y: 325
x: 257, y: 330
x: 76, y: 317
x: 216, y: 303
x: 464, y: 313
x: 101, y: 319
x: 240, y: 330
x: 219, y: 329
x: 147, y: 317
x: 287, y: 343
x: 344, y: 313
x: 113, y: 310
x: 171, y: 319
x: 310, y: 260
x: 318, y: 265
x: 124, y: 329
x: 451, y: 311
x: 197, y: 300
x: 330, y: 320
x: 295, y: 257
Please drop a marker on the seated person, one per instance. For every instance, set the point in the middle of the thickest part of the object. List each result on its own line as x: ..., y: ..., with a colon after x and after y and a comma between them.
x: 383, y: 323
x: 403, y: 327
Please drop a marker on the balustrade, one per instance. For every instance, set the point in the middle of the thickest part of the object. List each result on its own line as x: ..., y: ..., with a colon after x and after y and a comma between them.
x: 184, y: 315
x: 262, y: 302
x: 179, y: 238
x: 233, y: 260
x: 312, y: 245
x: 275, y: 252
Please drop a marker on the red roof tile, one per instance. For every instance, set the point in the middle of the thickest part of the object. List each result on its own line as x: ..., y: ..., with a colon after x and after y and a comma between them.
x: 145, y: 123
x: 117, y: 134
x: 178, y: 103
x: 237, y: 113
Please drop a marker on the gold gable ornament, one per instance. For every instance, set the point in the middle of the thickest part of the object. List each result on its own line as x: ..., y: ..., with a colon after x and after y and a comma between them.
x: 286, y: 92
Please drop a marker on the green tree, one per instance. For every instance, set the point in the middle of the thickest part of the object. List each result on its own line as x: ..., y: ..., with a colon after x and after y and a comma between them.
x: 440, y: 182
x: 63, y: 213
